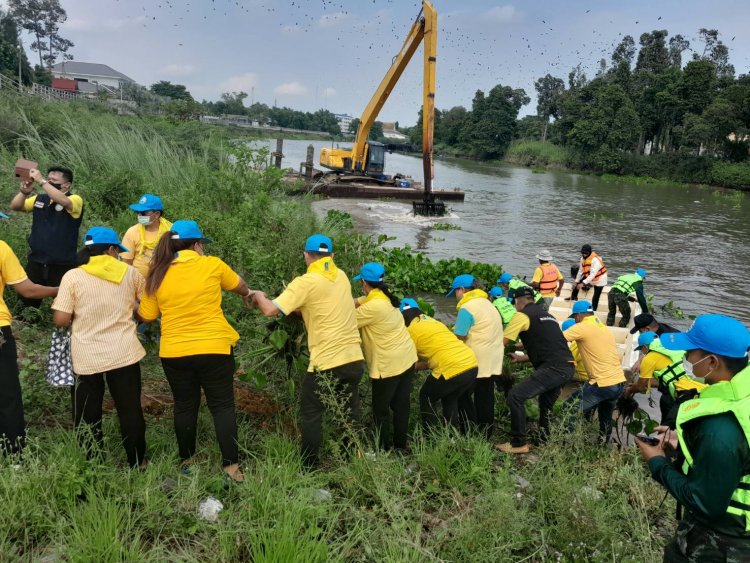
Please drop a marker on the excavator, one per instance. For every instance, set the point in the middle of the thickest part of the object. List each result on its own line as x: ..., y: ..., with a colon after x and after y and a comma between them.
x: 368, y: 157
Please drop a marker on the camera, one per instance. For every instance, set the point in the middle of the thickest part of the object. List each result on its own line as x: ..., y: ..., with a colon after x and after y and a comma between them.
x: 23, y: 167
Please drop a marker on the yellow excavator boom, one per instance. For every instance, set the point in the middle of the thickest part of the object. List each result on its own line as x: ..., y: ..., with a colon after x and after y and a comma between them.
x: 424, y: 31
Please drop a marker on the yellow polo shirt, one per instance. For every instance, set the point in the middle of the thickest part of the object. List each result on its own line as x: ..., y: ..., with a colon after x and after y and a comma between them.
x: 11, y: 273
x: 485, y: 336
x: 598, y: 351
x: 445, y: 354
x: 140, y: 250
x: 189, y: 301
x: 388, y: 348
x: 654, y: 361
x: 581, y: 373
x: 75, y: 211
x: 328, y: 311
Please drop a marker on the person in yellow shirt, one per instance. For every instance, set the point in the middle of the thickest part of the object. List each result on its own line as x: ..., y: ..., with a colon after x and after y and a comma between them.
x: 665, y: 368
x: 141, y: 239
x: 581, y: 375
x: 56, y: 220
x: 184, y: 286
x: 12, y: 424
x: 547, y: 279
x: 389, y: 353
x: 479, y: 325
x: 599, y: 353
x: 323, y: 295
x: 452, y: 363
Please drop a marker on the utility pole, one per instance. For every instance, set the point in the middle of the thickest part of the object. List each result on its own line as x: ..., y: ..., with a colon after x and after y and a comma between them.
x: 18, y: 48
x: 252, y: 96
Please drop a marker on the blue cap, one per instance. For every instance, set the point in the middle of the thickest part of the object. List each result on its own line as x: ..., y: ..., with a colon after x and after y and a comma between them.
x: 645, y: 339
x: 188, y: 230
x: 408, y: 303
x: 148, y: 202
x: 464, y: 280
x: 641, y: 272
x: 496, y: 292
x: 102, y: 235
x: 505, y: 278
x: 716, y: 334
x: 371, y: 272
x: 319, y: 243
x: 581, y: 307
x: 567, y: 323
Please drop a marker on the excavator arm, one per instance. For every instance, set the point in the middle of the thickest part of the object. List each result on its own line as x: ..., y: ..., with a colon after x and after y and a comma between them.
x: 424, y: 31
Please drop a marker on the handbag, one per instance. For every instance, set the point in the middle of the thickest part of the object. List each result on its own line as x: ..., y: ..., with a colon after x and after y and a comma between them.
x: 59, y: 364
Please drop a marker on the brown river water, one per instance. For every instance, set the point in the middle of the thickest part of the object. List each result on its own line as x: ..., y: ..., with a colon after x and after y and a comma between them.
x: 694, y: 242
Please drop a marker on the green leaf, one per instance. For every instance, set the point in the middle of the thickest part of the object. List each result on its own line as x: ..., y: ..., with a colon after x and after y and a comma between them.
x: 278, y: 338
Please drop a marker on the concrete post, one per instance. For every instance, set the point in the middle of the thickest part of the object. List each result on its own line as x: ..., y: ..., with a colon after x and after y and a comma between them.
x: 309, y: 162
x: 278, y: 155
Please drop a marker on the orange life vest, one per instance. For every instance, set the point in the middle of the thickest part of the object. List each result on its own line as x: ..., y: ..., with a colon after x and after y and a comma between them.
x: 550, y: 276
x: 587, y: 267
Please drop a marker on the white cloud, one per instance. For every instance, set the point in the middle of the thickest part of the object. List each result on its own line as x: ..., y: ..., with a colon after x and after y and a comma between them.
x: 503, y: 14
x: 328, y: 92
x: 240, y: 83
x: 290, y: 89
x: 332, y: 20
x: 112, y: 24
x: 178, y: 70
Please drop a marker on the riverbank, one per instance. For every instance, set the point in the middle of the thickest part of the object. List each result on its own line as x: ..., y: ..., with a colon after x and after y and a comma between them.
x: 450, y: 498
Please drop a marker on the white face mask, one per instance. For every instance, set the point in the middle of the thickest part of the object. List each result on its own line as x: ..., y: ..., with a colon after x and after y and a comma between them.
x: 688, y: 367
x: 144, y: 219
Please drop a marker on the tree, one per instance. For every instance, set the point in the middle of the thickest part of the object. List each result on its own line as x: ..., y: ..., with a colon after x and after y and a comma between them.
x: 624, y: 52
x: 233, y: 103
x: 716, y: 52
x: 677, y: 45
x: 549, y: 93
x: 179, y: 110
x: 530, y: 128
x: 653, y: 56
x: 452, y: 122
x: 169, y: 90
x: 577, y: 78
x: 353, y: 126
x: 42, y: 18
x: 492, y: 125
x: 11, y: 50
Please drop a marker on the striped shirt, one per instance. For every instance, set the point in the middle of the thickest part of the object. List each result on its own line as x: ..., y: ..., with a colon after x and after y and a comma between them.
x: 103, y: 331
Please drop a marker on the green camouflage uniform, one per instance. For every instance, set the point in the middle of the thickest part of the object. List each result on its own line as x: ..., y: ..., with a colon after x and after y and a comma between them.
x: 695, y: 543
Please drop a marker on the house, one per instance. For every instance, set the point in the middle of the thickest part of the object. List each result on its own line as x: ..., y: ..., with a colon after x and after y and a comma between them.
x: 345, y: 120
x: 390, y: 132
x: 87, y: 74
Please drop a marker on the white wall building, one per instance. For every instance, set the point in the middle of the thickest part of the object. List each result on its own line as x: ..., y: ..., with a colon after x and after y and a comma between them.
x: 91, y: 72
x: 345, y: 120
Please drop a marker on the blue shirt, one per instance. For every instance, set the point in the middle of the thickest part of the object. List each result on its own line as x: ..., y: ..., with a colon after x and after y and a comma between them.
x: 464, y: 322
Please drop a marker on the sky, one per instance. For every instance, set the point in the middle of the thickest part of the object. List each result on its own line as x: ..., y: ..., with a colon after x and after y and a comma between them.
x: 332, y: 54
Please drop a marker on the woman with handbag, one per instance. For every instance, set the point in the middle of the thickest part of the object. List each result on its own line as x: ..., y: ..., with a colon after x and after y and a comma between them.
x: 184, y: 286
x: 97, y: 300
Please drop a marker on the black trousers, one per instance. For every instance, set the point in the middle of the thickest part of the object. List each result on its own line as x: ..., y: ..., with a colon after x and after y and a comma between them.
x: 346, y: 386
x: 545, y: 383
x: 214, y: 373
x: 449, y: 392
x: 125, y: 387
x: 12, y: 424
x: 44, y: 274
x: 597, y: 294
x: 392, y: 395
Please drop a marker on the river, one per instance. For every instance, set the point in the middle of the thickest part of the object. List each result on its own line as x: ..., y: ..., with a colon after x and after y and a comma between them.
x: 694, y: 242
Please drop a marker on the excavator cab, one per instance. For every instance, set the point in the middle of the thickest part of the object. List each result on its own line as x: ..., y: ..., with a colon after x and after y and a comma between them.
x: 375, y: 163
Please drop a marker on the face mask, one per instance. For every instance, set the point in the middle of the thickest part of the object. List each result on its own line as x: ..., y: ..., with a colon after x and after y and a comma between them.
x: 55, y: 185
x: 144, y: 219
x: 688, y: 367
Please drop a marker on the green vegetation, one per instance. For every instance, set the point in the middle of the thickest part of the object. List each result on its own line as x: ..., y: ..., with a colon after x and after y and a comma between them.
x: 537, y: 153
x: 452, y: 498
x: 446, y: 227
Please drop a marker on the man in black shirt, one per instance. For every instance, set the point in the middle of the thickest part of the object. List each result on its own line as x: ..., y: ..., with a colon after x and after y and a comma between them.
x: 647, y: 323
x: 549, y: 354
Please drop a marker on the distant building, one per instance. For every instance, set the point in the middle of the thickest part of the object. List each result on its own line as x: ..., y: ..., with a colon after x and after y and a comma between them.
x: 390, y: 132
x: 345, y: 120
x: 88, y: 74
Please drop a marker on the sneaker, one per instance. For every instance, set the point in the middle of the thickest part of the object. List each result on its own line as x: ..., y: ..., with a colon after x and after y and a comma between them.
x: 508, y: 448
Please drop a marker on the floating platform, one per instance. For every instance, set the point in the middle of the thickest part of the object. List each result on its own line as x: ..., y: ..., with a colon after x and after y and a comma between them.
x: 352, y: 187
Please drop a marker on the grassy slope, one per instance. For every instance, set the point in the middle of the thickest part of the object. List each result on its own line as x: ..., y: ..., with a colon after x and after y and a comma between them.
x: 452, y: 499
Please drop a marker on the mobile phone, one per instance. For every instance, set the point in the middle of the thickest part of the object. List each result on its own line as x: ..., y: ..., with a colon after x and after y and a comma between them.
x: 650, y: 440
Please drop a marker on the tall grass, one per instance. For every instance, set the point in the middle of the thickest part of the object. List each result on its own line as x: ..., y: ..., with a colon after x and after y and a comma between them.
x: 537, y: 153
x: 453, y: 498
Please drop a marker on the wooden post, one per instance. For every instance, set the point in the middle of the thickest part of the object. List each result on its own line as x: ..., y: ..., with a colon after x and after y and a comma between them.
x: 309, y: 162
x: 278, y: 154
